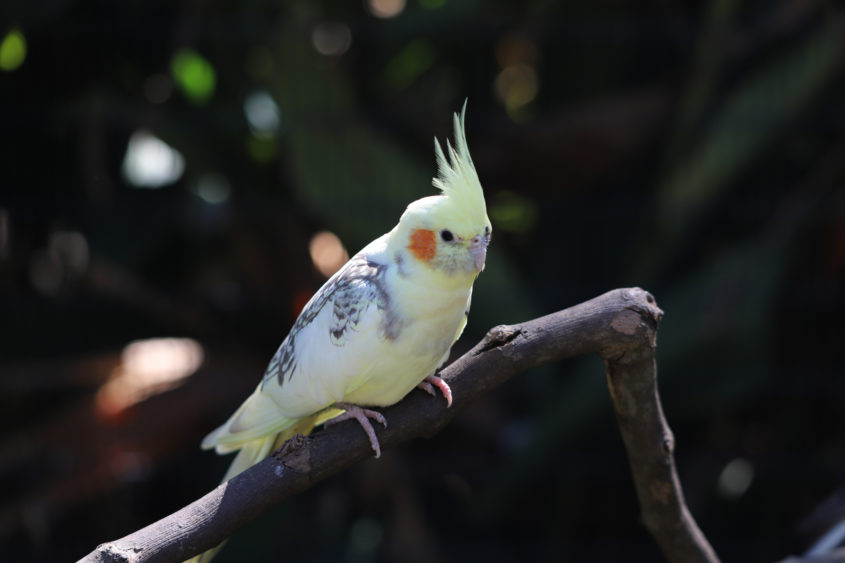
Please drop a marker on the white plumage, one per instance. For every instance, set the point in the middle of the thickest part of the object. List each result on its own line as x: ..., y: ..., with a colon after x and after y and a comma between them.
x: 379, y: 327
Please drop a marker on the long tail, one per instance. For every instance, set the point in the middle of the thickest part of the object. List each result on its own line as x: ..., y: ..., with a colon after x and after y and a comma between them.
x: 254, y: 451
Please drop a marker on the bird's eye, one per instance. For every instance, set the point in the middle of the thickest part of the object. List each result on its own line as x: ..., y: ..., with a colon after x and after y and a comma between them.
x: 447, y: 235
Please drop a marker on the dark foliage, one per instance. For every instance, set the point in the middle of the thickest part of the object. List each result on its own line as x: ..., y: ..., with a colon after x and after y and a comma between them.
x: 694, y: 149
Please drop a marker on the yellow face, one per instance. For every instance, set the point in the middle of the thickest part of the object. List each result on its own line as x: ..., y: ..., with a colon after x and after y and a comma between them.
x: 451, y: 251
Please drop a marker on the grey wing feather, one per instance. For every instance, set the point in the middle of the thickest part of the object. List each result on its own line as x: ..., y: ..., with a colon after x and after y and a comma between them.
x: 355, y: 287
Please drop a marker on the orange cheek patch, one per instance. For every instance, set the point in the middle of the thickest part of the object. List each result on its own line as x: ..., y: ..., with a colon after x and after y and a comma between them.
x: 423, y: 244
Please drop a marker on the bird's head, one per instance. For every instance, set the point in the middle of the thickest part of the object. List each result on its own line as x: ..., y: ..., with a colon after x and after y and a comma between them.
x: 450, y: 232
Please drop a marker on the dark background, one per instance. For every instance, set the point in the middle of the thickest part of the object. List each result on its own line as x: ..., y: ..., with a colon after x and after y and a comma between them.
x: 693, y: 149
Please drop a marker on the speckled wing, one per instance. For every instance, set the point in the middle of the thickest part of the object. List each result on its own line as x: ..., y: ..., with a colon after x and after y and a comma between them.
x: 347, y: 296
x: 358, y: 285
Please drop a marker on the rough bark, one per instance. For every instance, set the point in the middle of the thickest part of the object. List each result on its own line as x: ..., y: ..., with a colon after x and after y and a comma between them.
x: 620, y: 325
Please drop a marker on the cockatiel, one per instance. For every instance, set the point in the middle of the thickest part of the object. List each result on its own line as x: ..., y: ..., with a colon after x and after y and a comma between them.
x: 379, y: 327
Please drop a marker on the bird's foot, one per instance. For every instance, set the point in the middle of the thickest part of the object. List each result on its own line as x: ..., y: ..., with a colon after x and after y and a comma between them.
x: 362, y: 416
x: 429, y: 383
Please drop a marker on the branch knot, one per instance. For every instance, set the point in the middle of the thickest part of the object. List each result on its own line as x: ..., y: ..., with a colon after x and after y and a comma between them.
x: 497, y: 337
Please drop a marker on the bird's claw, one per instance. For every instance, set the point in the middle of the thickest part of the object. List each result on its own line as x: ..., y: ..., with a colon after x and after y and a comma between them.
x: 429, y: 383
x: 363, y: 417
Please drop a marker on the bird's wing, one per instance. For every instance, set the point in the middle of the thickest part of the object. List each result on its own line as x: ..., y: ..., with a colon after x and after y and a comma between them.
x: 355, y: 294
x: 349, y: 295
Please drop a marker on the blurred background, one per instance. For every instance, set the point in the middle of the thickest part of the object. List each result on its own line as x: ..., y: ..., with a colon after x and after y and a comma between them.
x: 177, y: 178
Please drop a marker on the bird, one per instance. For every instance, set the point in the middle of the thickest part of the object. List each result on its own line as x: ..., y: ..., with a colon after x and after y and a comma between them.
x: 379, y: 327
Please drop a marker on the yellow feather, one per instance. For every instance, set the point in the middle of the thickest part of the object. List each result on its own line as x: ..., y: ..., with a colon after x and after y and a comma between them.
x: 457, y: 178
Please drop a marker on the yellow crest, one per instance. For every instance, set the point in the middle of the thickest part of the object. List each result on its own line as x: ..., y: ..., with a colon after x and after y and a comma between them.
x: 456, y: 176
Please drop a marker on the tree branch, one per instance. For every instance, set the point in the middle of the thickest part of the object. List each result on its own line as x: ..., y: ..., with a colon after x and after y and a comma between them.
x: 620, y: 325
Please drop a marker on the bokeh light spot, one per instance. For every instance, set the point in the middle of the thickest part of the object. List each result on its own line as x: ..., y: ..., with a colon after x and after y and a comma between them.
x: 213, y: 188
x: 512, y: 212
x: 194, y: 75
x: 327, y: 253
x: 408, y: 64
x: 12, y: 50
x: 365, y: 536
x: 517, y: 83
x: 262, y: 113
x: 516, y: 86
x: 385, y: 8
x: 735, y: 478
x: 150, y: 162
x: 148, y: 367
x: 331, y: 38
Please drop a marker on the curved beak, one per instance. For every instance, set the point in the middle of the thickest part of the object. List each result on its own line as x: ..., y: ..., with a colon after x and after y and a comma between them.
x: 478, y: 251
